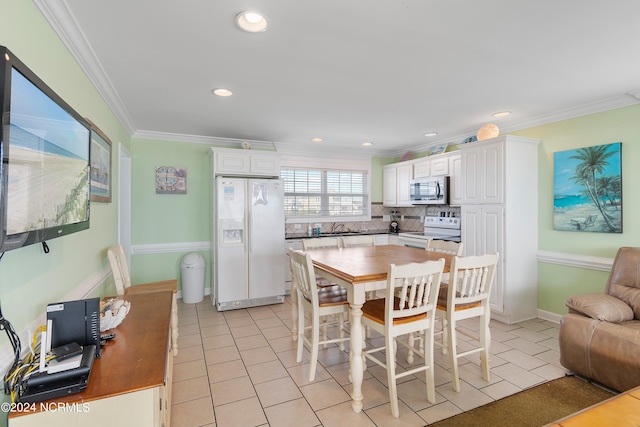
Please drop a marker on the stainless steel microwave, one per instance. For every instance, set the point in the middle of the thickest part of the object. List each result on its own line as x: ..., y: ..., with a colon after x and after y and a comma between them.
x: 430, y: 191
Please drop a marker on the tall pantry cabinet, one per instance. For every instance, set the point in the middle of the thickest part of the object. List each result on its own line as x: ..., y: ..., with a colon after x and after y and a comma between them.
x: 500, y: 213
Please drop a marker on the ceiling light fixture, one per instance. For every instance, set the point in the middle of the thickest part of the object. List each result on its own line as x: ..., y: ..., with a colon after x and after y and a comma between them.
x: 501, y: 113
x: 252, y: 22
x: 317, y: 139
x: 222, y: 92
x: 367, y: 144
x: 431, y: 134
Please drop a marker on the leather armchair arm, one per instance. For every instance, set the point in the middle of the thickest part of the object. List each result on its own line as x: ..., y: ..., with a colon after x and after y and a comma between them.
x: 601, y: 307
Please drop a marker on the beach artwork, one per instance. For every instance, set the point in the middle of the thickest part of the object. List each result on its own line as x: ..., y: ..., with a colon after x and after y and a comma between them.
x: 587, y: 189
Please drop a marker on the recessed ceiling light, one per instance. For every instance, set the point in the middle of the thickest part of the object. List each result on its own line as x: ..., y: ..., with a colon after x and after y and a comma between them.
x: 367, y: 144
x: 317, y: 139
x: 431, y: 134
x: 252, y: 22
x: 501, y: 113
x: 222, y: 92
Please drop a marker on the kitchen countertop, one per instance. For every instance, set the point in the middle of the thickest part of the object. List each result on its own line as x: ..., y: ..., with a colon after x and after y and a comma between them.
x: 350, y: 233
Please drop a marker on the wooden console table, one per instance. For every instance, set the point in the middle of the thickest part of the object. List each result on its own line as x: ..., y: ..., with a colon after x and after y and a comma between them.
x: 129, y: 385
x: 621, y: 411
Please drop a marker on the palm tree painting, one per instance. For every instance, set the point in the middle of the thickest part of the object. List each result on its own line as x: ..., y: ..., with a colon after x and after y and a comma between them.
x: 587, y: 189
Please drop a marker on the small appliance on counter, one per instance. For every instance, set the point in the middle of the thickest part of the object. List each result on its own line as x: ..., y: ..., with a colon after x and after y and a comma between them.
x: 393, y: 227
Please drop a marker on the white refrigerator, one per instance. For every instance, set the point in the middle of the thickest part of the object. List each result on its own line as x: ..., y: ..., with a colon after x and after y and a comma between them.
x: 249, y: 237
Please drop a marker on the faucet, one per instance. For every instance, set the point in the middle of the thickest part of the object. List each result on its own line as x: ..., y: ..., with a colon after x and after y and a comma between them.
x: 337, y: 227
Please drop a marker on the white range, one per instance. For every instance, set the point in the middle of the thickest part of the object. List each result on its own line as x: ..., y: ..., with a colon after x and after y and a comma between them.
x: 435, y: 227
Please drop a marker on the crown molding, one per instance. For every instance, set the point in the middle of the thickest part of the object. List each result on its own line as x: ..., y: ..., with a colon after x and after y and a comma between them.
x: 65, y: 25
x: 600, y: 106
x: 281, y: 147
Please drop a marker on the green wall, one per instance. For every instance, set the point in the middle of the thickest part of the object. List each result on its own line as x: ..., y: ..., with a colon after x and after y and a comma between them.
x: 29, y: 278
x: 555, y: 282
x: 168, y: 218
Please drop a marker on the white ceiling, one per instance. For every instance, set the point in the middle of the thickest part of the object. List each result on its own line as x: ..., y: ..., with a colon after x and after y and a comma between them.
x: 350, y: 71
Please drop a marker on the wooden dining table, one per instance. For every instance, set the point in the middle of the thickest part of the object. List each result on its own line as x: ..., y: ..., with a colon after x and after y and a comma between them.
x: 360, y: 270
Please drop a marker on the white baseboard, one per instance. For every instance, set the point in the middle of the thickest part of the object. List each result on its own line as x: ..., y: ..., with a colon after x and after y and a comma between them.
x: 207, y: 292
x: 551, y: 317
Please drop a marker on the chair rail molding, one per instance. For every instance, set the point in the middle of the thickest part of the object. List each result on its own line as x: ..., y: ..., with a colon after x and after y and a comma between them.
x: 573, y: 260
x: 162, y: 248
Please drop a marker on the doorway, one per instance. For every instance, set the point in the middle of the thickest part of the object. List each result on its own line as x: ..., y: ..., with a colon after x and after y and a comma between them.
x: 124, y: 202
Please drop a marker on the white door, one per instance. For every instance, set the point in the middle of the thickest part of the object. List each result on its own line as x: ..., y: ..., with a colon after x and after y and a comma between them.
x: 455, y: 181
x: 265, y: 198
x: 231, y: 257
x: 124, y: 201
x: 492, y: 230
x: 389, y: 184
x: 492, y: 173
x: 405, y: 175
x: 483, y: 233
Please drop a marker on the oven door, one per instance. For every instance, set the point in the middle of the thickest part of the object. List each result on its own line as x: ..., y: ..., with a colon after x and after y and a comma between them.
x: 412, y: 242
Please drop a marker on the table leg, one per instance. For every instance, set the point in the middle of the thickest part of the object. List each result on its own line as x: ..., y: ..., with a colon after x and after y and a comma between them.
x: 356, y: 364
x: 294, y: 312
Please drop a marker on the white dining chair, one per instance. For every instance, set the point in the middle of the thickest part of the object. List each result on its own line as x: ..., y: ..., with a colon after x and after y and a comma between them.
x: 465, y: 297
x: 122, y: 281
x: 408, y: 307
x: 356, y: 241
x: 317, y: 302
x: 320, y: 243
x: 444, y: 246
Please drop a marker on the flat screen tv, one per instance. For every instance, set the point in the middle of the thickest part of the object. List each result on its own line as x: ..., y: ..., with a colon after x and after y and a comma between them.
x: 45, y: 147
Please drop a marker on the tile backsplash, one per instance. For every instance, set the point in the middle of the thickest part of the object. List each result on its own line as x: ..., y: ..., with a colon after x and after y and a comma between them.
x: 409, y: 219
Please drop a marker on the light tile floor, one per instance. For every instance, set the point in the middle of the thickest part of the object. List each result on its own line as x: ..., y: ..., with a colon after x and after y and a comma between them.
x: 238, y: 368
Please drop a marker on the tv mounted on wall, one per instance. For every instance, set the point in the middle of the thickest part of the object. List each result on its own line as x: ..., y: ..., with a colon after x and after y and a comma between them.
x: 45, y: 147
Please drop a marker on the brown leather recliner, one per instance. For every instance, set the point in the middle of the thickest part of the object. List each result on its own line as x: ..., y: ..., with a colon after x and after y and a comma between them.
x: 600, y: 337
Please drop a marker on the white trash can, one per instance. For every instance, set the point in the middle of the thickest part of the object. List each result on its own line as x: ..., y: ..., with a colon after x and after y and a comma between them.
x: 193, y: 268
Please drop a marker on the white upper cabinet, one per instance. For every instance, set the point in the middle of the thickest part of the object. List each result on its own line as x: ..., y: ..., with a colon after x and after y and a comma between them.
x: 483, y: 172
x: 455, y: 179
x: 396, y: 177
x: 422, y: 168
x: 439, y: 165
x: 395, y: 185
x: 245, y: 162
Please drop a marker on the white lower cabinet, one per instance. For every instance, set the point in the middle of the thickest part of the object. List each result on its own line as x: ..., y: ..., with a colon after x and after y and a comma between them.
x: 382, y: 239
x: 483, y: 234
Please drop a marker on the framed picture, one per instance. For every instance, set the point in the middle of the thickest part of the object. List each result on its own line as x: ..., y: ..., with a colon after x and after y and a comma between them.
x: 437, y: 149
x: 587, y: 189
x: 100, y: 166
x: 171, y: 180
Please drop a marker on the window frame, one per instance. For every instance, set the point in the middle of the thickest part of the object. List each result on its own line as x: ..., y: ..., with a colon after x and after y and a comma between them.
x: 337, y: 164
